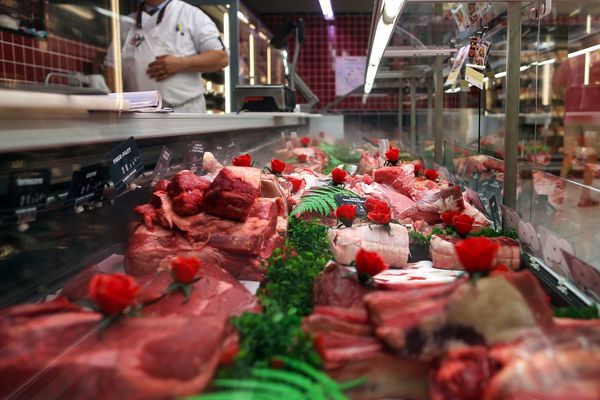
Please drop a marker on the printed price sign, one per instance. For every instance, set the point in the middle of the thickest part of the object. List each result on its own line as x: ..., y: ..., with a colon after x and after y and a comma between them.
x: 194, y: 154
x: 495, y: 212
x: 27, y: 193
x: 125, y: 164
x: 359, y: 202
x: 88, y: 184
x: 162, y: 165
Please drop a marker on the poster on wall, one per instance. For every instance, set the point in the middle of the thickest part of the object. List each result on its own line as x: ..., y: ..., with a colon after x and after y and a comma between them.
x: 349, y: 73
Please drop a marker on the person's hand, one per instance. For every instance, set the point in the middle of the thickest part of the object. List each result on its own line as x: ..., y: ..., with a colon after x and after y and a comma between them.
x: 165, y: 66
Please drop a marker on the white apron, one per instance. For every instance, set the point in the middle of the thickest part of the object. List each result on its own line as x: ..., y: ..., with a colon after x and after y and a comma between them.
x: 184, y: 88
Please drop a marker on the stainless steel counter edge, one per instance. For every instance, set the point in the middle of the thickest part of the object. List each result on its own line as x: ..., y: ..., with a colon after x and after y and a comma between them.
x: 37, y: 130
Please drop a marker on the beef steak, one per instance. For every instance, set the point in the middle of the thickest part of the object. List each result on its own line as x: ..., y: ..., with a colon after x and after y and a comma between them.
x: 232, y: 193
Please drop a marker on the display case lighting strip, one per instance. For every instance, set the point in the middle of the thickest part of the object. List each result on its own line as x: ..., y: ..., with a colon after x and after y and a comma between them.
x: 388, y: 16
x: 327, y: 10
x: 243, y: 17
x: 227, y: 70
x: 584, y: 51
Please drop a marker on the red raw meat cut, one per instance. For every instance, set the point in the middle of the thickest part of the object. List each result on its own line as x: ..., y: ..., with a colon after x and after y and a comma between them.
x: 428, y: 209
x: 149, y: 214
x: 316, y: 158
x: 162, y: 184
x: 401, y: 177
x: 336, y: 287
x: 216, y: 293
x: 443, y: 252
x: 398, y: 202
x: 350, y: 351
x: 61, y: 355
x: 368, y: 163
x: 499, y: 309
x: 232, y: 193
x: 417, y: 275
x: 187, y: 192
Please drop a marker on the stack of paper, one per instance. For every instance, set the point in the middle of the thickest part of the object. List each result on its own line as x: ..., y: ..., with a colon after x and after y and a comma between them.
x: 149, y: 101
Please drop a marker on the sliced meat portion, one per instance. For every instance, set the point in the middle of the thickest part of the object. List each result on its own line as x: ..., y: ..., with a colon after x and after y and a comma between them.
x: 337, y: 286
x: 368, y: 163
x: 401, y: 177
x: 429, y: 207
x: 397, y: 201
x: 417, y: 275
x: 422, y: 322
x: 443, y: 252
x: 233, y: 192
x: 392, y: 246
x: 61, y: 355
x: 316, y: 159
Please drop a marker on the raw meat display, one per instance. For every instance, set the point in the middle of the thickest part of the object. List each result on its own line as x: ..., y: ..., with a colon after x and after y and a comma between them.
x: 429, y: 207
x: 444, y: 254
x: 420, y: 274
x: 392, y: 246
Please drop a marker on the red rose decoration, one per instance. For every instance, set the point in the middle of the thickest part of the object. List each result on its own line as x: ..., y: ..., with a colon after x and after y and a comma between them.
x: 277, y: 166
x: 346, y: 214
x: 381, y: 214
x: 338, y: 176
x: 296, y: 183
x: 476, y: 254
x: 431, y: 174
x: 447, y: 217
x: 368, y: 263
x: 113, y: 293
x: 185, y: 269
x: 302, y: 158
x: 392, y: 155
x: 372, y: 202
x: 305, y: 141
x: 463, y: 224
x: 243, y: 160
x: 418, y: 167
x: 500, y: 269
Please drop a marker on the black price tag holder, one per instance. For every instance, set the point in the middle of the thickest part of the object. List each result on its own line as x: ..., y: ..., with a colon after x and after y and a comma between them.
x: 27, y: 194
x: 124, y: 164
x: 357, y: 201
x: 162, y: 165
x: 495, y: 212
x: 87, y: 185
x: 194, y: 154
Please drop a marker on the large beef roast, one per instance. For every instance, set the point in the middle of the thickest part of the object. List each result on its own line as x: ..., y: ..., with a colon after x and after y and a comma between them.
x: 57, y: 352
x: 233, y: 192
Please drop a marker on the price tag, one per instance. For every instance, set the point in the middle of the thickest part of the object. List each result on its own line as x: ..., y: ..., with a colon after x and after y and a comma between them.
x: 162, y: 165
x: 194, y: 154
x: 88, y: 184
x: 473, y: 199
x: 125, y: 164
x: 27, y: 193
x: 495, y: 212
x: 358, y: 201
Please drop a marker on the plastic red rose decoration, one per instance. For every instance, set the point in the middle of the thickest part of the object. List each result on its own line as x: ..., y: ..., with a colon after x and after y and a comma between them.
x: 185, y: 269
x: 463, y: 224
x: 302, y: 158
x: 431, y: 174
x: 296, y: 183
x: 372, y: 202
x: 243, y: 160
x: 277, y: 166
x: 368, y: 263
x: 418, y: 167
x: 346, y: 214
x: 305, y: 141
x: 338, y: 176
x: 477, y: 254
x: 392, y: 155
x: 381, y: 214
x: 113, y: 293
x: 448, y: 217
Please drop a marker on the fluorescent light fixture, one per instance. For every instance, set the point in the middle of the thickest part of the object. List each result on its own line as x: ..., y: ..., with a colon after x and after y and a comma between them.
x: 524, y: 68
x: 547, y: 62
x: 326, y: 9
x: 80, y: 11
x: 500, y: 74
x: 243, y: 17
x: 227, y: 71
x: 455, y: 90
x: 383, y: 31
x: 252, y: 60
x: 584, y: 51
x: 252, y: 26
x: 269, y: 72
x: 262, y: 36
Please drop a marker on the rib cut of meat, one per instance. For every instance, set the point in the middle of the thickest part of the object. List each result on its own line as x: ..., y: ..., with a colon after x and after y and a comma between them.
x: 232, y: 193
x: 336, y: 286
x: 431, y: 205
x: 392, y: 247
x: 215, y: 292
x: 422, y: 322
x: 60, y: 355
x: 417, y: 275
x: 443, y: 252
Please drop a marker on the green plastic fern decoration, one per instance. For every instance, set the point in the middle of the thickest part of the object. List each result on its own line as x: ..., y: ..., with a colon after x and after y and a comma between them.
x: 320, y: 200
x: 300, y: 382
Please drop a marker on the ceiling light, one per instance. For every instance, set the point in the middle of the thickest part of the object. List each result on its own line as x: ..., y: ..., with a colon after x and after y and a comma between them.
x: 243, y: 17
x: 584, y: 51
x: 327, y: 10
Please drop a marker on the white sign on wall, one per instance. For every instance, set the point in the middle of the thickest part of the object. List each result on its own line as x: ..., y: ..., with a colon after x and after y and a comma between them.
x: 349, y: 73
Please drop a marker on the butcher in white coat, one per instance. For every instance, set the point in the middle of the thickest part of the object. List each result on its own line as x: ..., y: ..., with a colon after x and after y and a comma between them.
x: 166, y: 48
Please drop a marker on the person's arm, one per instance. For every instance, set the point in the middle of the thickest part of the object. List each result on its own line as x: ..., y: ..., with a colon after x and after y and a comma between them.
x: 167, y: 65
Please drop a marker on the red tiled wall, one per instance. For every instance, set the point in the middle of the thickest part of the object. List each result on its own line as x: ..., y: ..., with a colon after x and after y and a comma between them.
x: 348, y: 35
x: 26, y: 59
